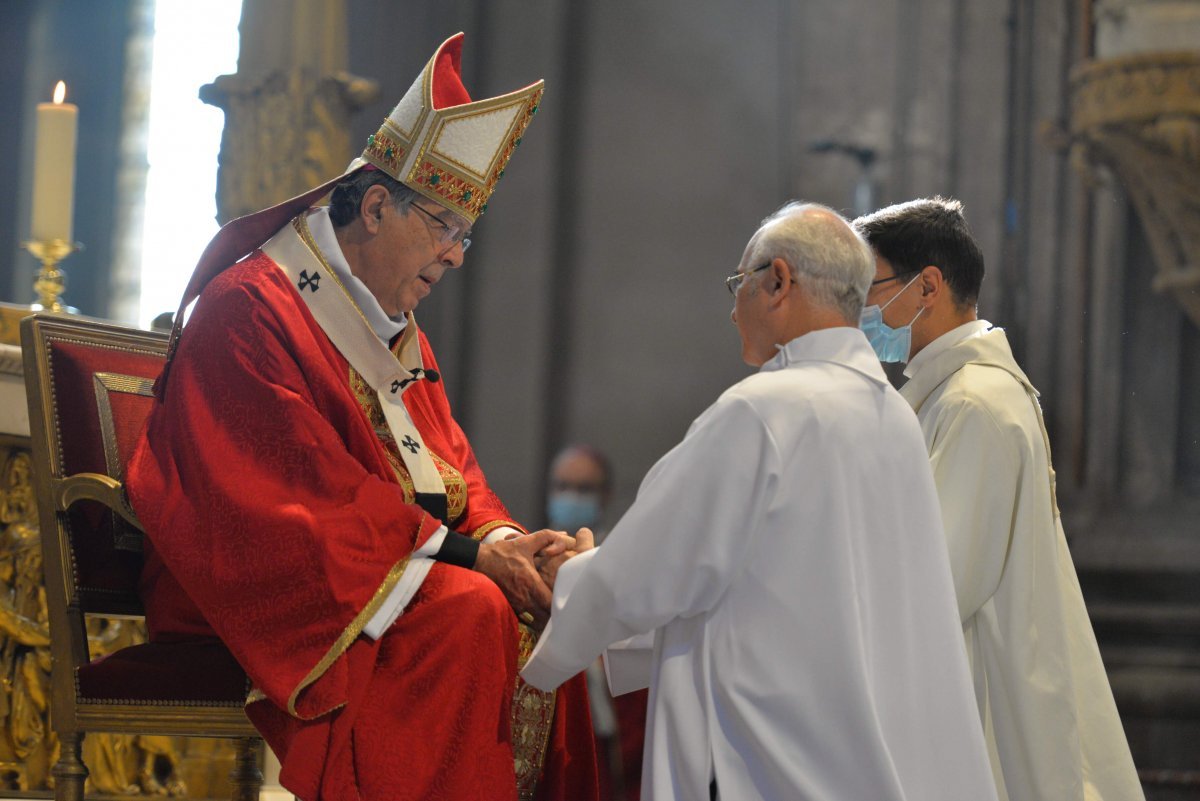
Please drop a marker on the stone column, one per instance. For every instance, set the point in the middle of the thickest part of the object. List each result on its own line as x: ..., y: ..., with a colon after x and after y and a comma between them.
x: 287, y: 106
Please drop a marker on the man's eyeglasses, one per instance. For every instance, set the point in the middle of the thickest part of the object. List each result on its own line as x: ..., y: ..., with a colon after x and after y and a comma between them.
x: 896, y: 277
x: 734, y: 282
x: 447, y: 233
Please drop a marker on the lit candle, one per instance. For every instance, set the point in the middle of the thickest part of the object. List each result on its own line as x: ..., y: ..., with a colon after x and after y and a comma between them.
x: 54, y: 168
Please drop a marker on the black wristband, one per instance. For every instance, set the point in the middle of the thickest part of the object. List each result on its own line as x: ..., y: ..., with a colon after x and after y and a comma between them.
x: 458, y: 549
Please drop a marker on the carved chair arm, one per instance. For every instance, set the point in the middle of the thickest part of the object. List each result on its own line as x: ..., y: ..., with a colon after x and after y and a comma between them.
x: 94, y: 487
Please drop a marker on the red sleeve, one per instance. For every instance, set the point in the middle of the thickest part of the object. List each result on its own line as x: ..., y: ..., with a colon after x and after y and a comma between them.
x: 264, y: 492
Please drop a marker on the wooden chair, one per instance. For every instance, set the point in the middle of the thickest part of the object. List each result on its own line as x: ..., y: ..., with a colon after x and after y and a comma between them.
x: 89, y: 387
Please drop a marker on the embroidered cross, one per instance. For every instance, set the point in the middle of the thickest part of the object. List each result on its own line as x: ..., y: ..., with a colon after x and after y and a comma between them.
x: 410, y: 443
x: 398, y: 385
x: 312, y: 282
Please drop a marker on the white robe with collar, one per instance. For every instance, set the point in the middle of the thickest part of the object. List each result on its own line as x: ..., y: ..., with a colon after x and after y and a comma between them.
x: 1052, y: 728
x: 789, y: 554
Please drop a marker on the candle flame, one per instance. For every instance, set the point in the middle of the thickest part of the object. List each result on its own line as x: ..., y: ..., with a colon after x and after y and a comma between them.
x: 60, y: 92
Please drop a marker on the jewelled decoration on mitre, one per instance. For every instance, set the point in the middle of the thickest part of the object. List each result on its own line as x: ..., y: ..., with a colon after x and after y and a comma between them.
x: 444, y: 145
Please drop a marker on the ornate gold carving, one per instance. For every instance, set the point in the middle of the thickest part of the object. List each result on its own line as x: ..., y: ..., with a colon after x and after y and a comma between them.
x: 124, y: 765
x: 1139, y: 116
x: 129, y: 764
x: 11, y: 316
x: 28, y: 746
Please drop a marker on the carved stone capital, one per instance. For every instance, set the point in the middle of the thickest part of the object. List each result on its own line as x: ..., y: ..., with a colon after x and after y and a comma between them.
x: 285, y: 132
x: 1139, y: 116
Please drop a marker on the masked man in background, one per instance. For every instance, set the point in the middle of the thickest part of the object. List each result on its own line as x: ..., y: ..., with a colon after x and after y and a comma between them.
x: 580, y: 487
x: 310, y: 501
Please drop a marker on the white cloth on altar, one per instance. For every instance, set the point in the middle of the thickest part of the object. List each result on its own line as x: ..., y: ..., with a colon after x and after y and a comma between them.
x: 1051, y: 725
x: 789, y: 554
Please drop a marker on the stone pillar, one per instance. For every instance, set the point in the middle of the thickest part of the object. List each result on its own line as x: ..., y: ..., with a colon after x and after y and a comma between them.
x: 287, y: 106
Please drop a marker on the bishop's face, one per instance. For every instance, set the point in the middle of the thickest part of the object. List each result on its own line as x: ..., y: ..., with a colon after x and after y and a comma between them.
x: 409, y: 253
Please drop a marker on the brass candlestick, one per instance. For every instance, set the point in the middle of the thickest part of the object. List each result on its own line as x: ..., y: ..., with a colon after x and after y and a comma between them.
x: 51, y: 281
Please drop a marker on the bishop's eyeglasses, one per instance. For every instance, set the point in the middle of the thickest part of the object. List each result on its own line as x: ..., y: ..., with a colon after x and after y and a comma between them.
x: 449, y: 234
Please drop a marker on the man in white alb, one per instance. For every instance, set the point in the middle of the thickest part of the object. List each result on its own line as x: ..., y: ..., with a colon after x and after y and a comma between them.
x: 788, y: 557
x: 1048, y: 715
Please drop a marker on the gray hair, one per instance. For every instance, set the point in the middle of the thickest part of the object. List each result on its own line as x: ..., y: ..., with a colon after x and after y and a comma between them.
x: 824, y: 254
x: 348, y: 195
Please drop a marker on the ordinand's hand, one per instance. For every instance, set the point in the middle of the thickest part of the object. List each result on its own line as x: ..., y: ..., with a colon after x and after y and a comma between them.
x: 510, y: 563
x: 549, y: 561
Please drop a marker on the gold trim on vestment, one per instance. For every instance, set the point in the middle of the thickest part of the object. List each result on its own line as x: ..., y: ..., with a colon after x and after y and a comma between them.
x: 489, y: 527
x: 452, y: 479
x: 349, y: 635
x: 369, y: 402
x: 532, y: 719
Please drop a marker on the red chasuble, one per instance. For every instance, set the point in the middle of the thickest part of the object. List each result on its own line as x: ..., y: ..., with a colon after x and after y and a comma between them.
x: 278, y: 517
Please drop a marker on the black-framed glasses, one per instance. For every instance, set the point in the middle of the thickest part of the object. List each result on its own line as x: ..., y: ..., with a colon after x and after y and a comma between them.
x: 895, y: 277
x: 449, y: 234
x: 734, y: 282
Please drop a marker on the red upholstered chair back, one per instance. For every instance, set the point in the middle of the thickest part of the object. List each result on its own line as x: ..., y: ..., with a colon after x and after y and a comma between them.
x: 96, y: 390
x: 90, y: 391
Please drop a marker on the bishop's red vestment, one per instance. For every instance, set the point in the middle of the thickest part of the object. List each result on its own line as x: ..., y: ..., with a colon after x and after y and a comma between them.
x: 278, y: 515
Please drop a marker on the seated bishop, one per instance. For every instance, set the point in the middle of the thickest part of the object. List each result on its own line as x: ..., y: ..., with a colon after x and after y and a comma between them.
x: 310, y: 501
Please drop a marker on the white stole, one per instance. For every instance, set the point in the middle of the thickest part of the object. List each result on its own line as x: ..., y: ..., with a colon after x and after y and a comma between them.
x: 389, y: 377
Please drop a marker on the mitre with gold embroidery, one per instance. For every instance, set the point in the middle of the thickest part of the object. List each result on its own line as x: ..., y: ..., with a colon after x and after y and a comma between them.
x: 446, y: 146
x: 437, y: 141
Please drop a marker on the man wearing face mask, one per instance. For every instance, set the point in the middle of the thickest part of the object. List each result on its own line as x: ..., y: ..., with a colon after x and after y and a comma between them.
x: 580, y: 488
x: 1051, y: 726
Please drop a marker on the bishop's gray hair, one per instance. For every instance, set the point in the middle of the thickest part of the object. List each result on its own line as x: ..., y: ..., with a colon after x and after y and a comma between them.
x: 348, y: 195
x: 823, y: 252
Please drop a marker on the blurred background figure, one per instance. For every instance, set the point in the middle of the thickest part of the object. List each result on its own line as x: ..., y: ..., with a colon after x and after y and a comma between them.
x: 579, y: 489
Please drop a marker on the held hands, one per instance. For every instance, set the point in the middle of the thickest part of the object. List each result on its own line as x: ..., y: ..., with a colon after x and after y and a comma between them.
x: 524, y: 567
x: 510, y: 563
x: 548, y: 562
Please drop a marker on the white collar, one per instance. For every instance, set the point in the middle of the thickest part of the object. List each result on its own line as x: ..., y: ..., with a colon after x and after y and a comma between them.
x: 321, y: 228
x: 945, y: 342
x: 844, y: 345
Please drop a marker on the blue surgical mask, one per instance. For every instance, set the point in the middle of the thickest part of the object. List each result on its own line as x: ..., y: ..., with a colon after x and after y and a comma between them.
x: 569, y: 511
x: 890, y: 344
